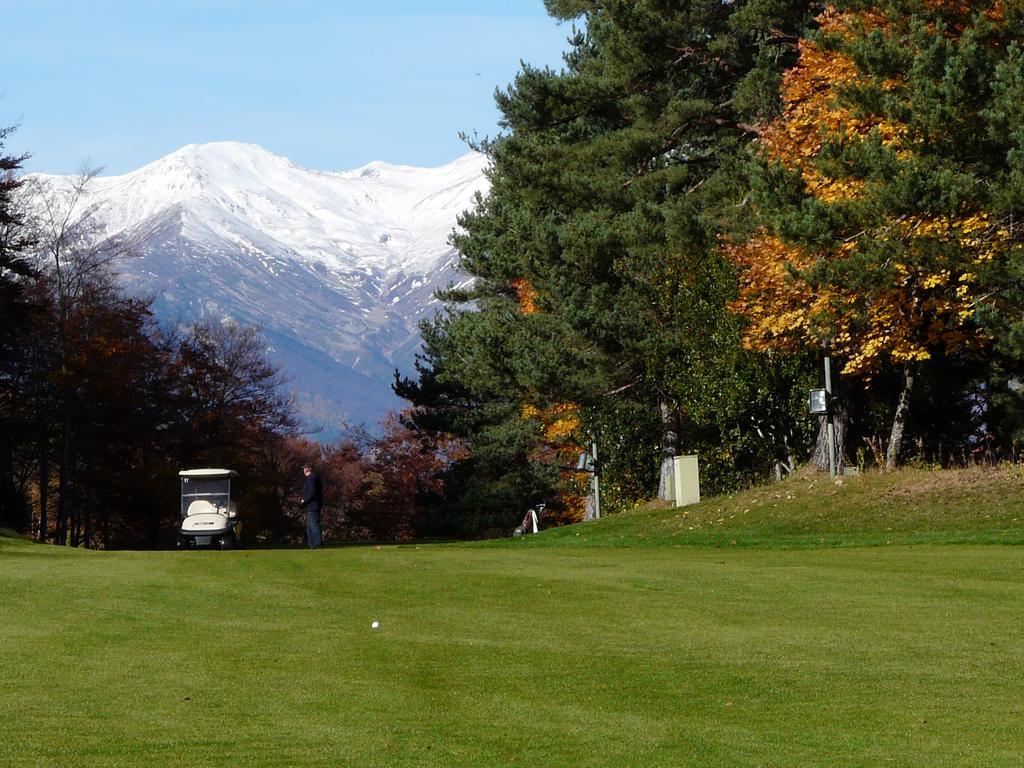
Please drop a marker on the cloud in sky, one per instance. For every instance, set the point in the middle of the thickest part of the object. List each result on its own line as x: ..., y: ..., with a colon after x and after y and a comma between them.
x: 330, y: 85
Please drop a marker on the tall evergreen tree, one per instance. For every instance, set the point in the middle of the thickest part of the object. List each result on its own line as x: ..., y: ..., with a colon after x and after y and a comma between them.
x: 609, y: 187
x: 17, y: 311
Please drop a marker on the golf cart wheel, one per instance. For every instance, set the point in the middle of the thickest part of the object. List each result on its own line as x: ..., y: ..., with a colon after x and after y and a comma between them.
x: 182, y: 542
x: 227, y: 541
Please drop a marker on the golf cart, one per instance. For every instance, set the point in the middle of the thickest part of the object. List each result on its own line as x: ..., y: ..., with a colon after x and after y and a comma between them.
x: 209, y: 518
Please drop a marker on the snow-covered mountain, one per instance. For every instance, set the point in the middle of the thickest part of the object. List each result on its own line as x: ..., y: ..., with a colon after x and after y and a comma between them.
x: 336, y: 267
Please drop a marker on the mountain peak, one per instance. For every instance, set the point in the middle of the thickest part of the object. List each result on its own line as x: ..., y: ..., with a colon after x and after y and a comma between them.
x: 383, y: 217
x: 224, y: 150
x: 219, y: 160
x: 471, y: 163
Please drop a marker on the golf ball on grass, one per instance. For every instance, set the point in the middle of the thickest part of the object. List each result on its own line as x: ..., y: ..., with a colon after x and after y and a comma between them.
x: 374, y: 625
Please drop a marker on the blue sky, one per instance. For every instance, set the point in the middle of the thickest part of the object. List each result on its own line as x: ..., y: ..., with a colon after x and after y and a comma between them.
x: 330, y: 85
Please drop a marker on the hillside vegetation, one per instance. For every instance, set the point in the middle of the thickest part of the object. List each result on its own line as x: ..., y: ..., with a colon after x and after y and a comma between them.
x: 911, y: 506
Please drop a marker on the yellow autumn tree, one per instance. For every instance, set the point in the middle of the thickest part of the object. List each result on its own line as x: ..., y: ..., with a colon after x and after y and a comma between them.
x: 873, y: 232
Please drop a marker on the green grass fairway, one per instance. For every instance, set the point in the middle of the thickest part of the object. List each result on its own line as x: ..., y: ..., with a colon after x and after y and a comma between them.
x: 517, y: 655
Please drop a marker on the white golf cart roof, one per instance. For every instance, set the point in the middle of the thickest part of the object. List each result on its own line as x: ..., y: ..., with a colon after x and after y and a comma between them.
x: 209, y: 473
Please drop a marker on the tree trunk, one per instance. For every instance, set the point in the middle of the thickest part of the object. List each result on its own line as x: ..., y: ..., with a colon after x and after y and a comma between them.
x: 669, y: 449
x: 44, y: 492
x: 820, y: 456
x: 899, y: 422
x: 74, y: 525
x: 64, y: 483
x: 8, y: 513
x: 87, y: 511
x: 785, y: 461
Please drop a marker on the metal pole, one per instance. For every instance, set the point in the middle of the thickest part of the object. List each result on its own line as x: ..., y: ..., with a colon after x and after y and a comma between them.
x: 594, y: 480
x: 830, y: 426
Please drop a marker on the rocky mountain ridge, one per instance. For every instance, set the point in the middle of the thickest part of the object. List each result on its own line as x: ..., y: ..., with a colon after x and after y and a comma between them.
x: 337, y: 268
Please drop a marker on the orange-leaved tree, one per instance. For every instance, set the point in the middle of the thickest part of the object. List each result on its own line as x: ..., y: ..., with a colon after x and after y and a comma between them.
x: 875, y: 217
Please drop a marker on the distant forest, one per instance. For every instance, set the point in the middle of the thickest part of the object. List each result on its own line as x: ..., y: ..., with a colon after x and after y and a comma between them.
x: 100, y: 406
x: 706, y: 202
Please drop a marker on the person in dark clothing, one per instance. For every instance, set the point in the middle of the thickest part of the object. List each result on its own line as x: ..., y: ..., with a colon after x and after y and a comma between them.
x: 312, y: 501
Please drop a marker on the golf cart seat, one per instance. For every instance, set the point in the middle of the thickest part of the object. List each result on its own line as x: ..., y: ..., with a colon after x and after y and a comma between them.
x: 202, y: 506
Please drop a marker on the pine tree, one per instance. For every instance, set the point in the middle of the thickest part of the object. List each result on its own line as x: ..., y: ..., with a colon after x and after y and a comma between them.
x: 17, y: 313
x: 608, y: 188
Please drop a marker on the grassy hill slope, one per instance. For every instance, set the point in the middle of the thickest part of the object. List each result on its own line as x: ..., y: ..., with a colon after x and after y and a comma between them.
x: 914, y: 506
